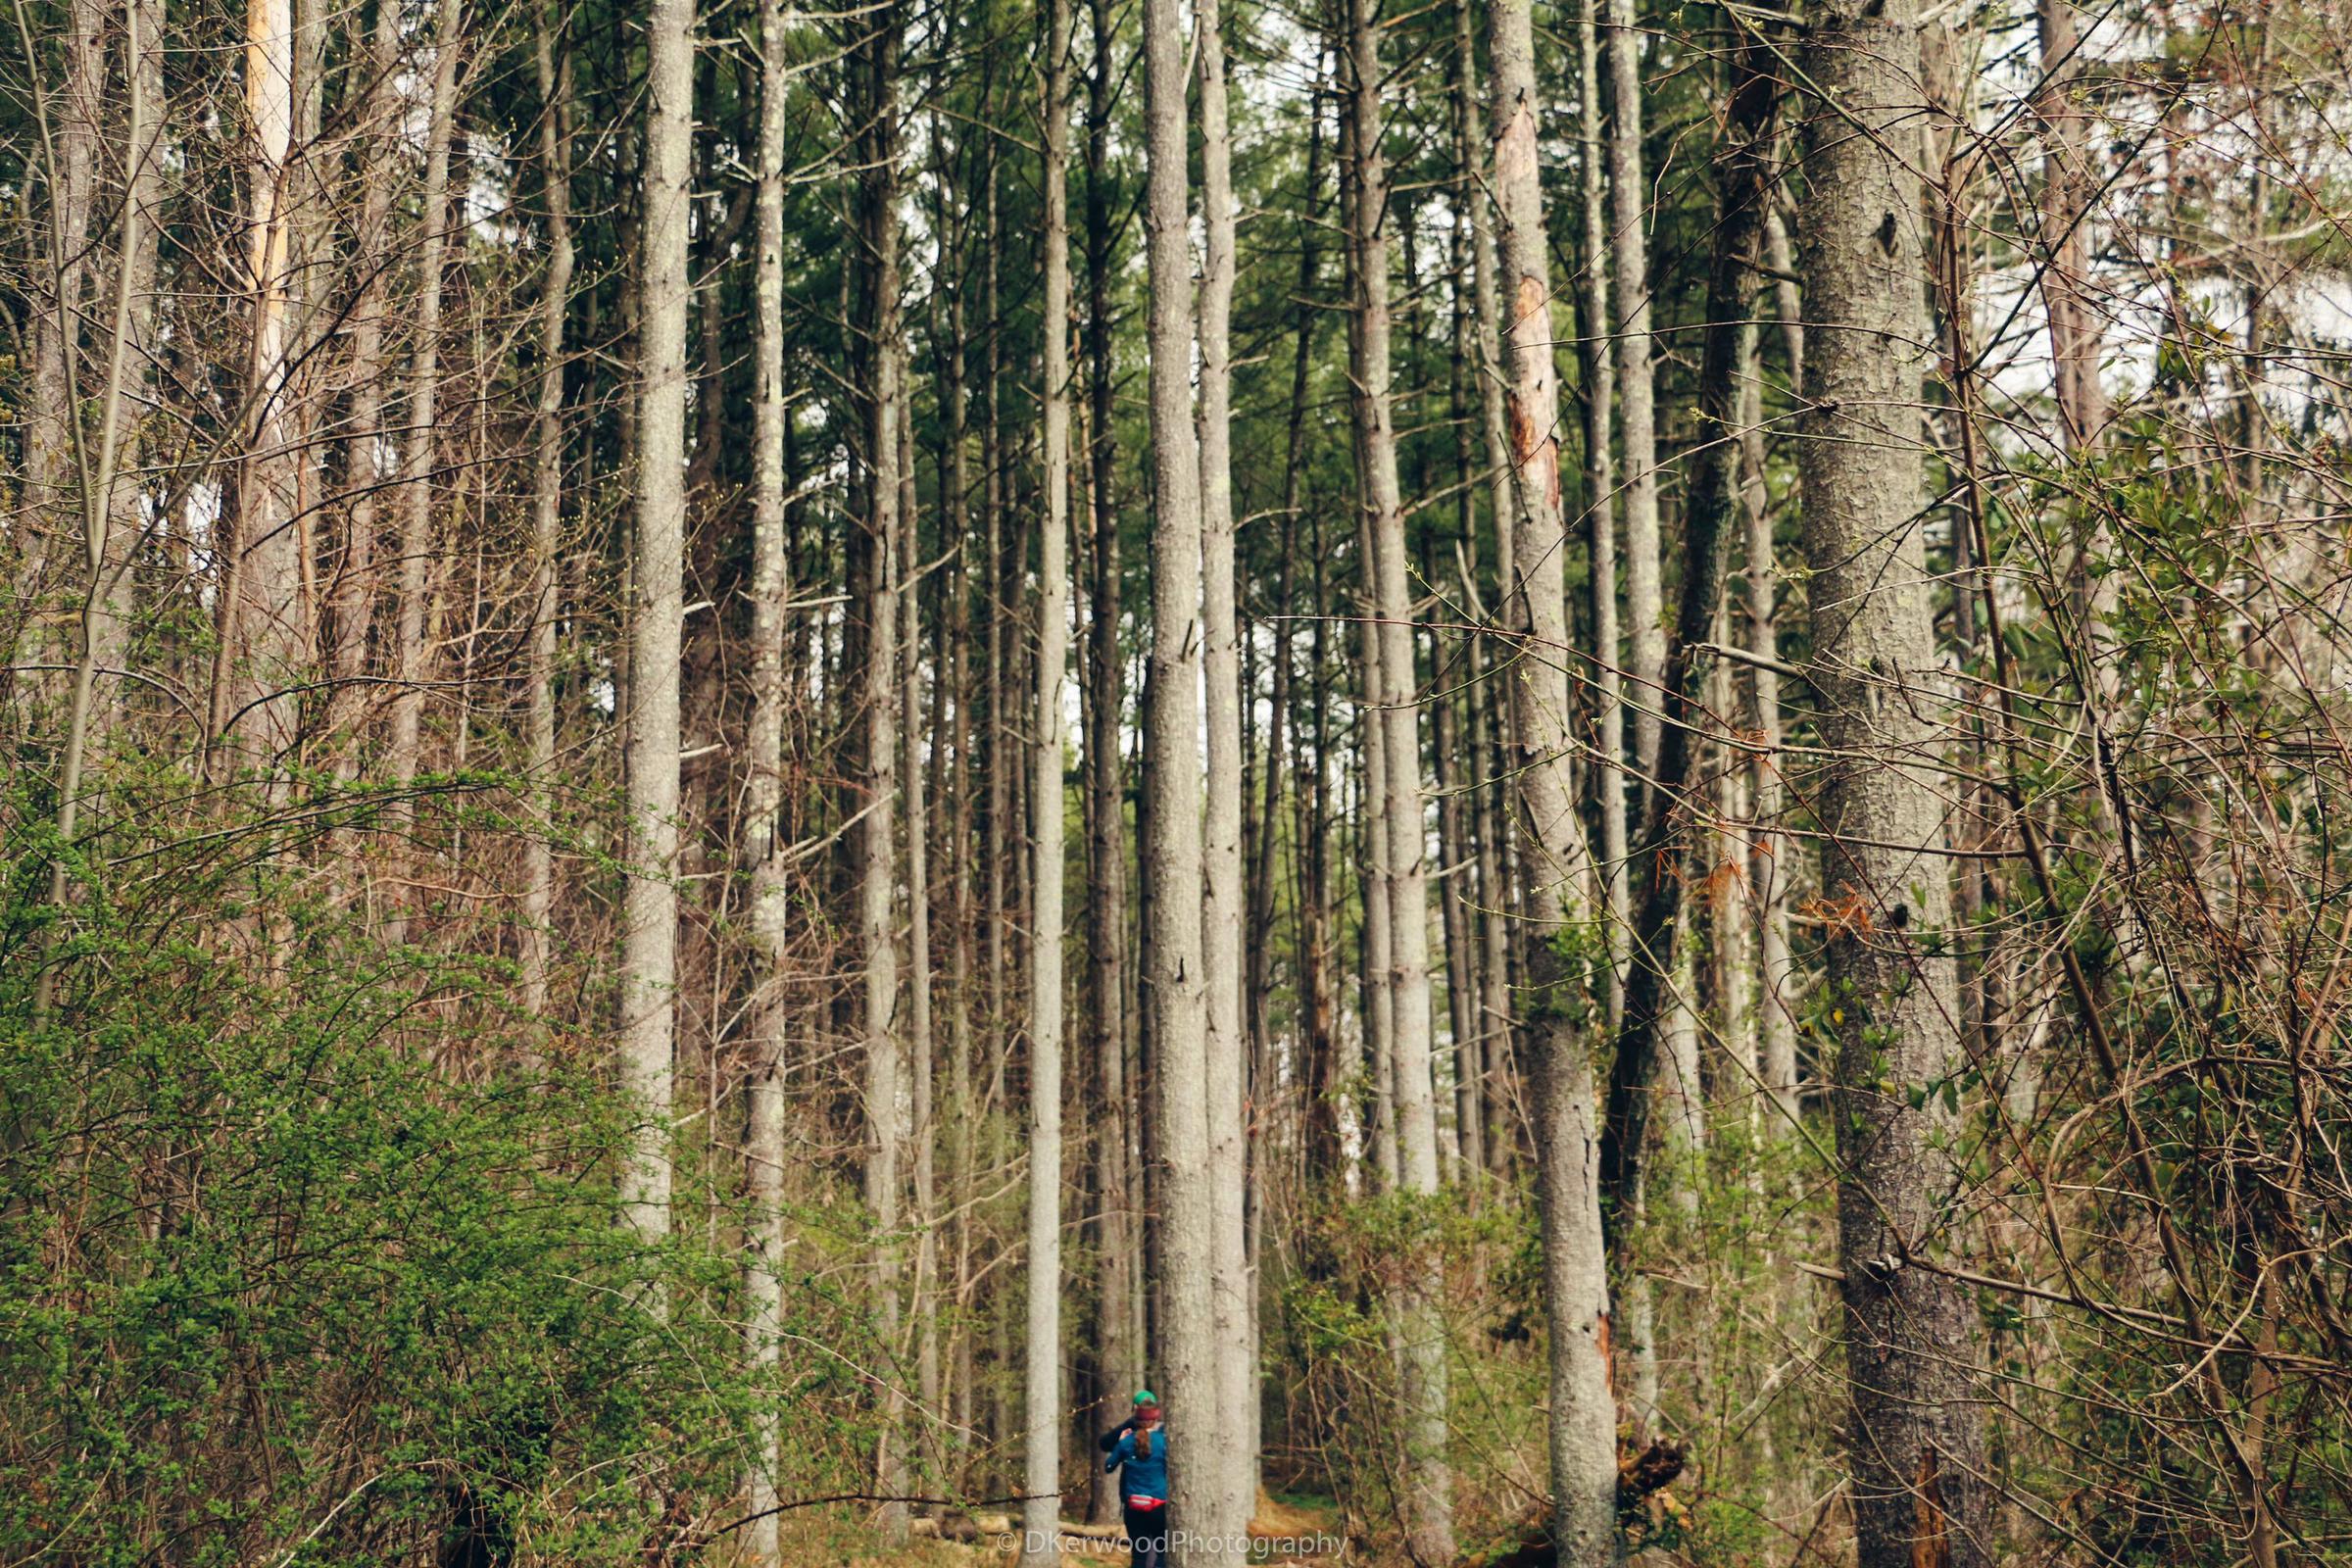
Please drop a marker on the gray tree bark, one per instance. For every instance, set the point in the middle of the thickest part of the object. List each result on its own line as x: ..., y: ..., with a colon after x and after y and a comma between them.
x: 1772, y: 862
x: 1600, y: 507
x: 1378, y: 888
x: 920, y: 1052
x: 1397, y: 819
x: 1629, y: 254
x: 1583, y: 1418
x: 2068, y: 185
x: 1776, y: 864
x: 554, y: 70
x: 1041, y: 1508
x: 63, y: 157
x: 878, y: 943
x: 87, y: 719
x: 1730, y: 908
x: 1657, y: 1040
x: 355, y: 590
x: 1107, y: 817
x: 1458, y: 767
x: 956, y: 480
x: 422, y: 418
x: 1223, y: 890
x: 1173, y: 956
x: 1917, y: 1439
x: 764, y: 1151
x: 1490, y: 817
x: 650, y: 910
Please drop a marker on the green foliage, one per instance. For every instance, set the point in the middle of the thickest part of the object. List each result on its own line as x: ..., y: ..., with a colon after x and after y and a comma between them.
x: 298, y: 1264
x: 1337, y: 1324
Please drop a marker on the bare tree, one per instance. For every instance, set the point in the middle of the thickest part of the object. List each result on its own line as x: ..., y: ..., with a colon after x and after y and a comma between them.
x: 1583, y: 1420
x: 421, y: 415
x: 554, y: 67
x: 357, y: 579
x: 87, y: 720
x: 763, y: 1153
x: 1223, y: 890
x: 649, y: 958
x: 877, y: 838
x: 260, y: 604
x: 1041, y: 1511
x: 1771, y: 868
x: 1396, y: 819
x: 1474, y: 351
x: 920, y: 1052
x: 1174, y: 974
x: 1653, y: 1040
x: 1601, y: 499
x: 1489, y: 819
x: 1119, y: 1350
x: 1629, y: 257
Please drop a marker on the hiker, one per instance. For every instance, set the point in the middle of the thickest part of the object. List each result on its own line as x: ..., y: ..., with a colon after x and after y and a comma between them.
x: 1139, y: 1451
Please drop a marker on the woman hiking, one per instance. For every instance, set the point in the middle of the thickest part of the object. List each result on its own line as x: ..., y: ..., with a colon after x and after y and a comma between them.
x: 1140, y: 1454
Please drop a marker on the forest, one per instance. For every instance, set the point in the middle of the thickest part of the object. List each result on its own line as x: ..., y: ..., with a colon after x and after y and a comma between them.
x: 1574, y: 763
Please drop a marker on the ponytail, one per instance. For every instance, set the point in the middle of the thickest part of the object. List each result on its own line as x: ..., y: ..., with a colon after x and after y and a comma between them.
x: 1143, y: 1443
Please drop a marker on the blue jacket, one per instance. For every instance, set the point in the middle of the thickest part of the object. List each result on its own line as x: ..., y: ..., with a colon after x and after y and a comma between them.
x: 1144, y: 1478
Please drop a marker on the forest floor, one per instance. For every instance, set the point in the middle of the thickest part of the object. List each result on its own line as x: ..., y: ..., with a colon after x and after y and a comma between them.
x: 1291, y: 1531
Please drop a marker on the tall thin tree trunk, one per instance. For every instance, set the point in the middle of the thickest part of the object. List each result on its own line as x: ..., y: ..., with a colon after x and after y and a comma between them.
x: 649, y: 911
x: 1458, y: 922
x: 1279, y: 760
x: 418, y: 460
x: 920, y: 1052
x: 1324, y: 1130
x: 996, y: 745
x: 1629, y: 254
x: 1771, y: 862
x: 877, y: 838
x: 150, y: 148
x: 1731, y: 963
x: 1107, y: 852
x: 962, y: 779
x: 261, y: 642
x: 1776, y: 864
x: 1600, y: 508
x: 1376, y: 1112
x: 1173, y: 957
x: 1488, y: 723
x: 1653, y: 1042
x: 1378, y: 936
x: 2068, y: 186
x: 1398, y: 820
x: 64, y: 158
x: 554, y: 66
x: 1583, y: 1417
x: 354, y: 603
x: 86, y: 720
x: 1265, y: 1072
x: 1493, y: 818
x: 130, y: 351
x: 1918, y: 1454
x: 1645, y: 599
x: 1042, y: 1510
x: 1222, y: 911
x: 631, y: 442
x: 1460, y: 784
x: 764, y: 1151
